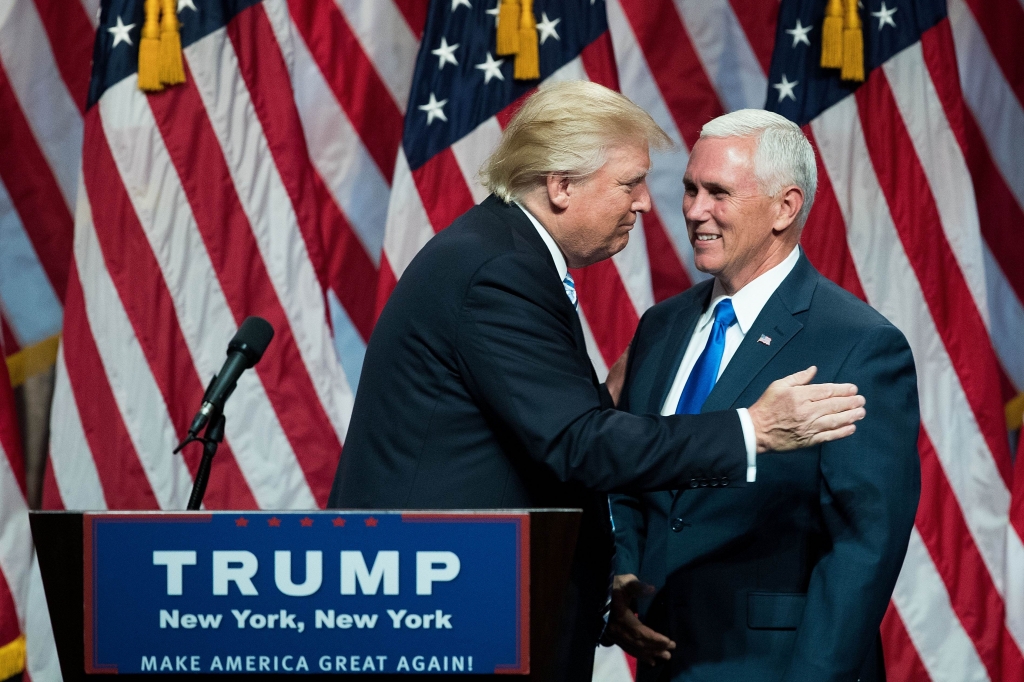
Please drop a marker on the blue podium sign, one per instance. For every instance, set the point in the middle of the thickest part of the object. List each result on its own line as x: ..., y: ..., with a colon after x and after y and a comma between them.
x: 307, y: 592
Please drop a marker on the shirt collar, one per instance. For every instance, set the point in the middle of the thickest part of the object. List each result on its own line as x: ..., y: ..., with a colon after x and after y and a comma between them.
x: 748, y: 301
x: 556, y: 253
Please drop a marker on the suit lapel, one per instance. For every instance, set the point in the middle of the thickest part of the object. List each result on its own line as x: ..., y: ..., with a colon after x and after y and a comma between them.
x: 676, y: 341
x: 514, y: 217
x: 776, y: 321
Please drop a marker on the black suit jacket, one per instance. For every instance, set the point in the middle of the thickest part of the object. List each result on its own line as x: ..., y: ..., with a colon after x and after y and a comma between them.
x: 477, y: 392
x: 787, y: 578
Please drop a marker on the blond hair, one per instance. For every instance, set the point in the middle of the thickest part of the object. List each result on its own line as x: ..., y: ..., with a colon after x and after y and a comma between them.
x: 565, y: 128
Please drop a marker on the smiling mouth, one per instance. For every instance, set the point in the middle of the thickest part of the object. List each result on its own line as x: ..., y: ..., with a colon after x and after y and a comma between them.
x: 708, y: 237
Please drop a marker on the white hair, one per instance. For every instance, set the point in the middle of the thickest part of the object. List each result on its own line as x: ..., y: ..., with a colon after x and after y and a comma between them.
x: 784, y: 156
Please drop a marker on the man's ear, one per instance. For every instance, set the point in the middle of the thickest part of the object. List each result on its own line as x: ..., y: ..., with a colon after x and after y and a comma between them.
x: 559, y: 189
x: 789, y: 207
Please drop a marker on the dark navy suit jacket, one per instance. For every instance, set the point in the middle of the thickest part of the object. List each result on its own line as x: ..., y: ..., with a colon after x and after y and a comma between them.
x: 786, y: 578
x: 477, y: 392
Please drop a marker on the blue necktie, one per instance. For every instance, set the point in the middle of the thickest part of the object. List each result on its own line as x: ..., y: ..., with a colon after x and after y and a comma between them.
x: 705, y: 372
x: 570, y: 289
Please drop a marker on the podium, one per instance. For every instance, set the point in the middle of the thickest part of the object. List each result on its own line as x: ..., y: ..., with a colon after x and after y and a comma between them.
x: 477, y: 593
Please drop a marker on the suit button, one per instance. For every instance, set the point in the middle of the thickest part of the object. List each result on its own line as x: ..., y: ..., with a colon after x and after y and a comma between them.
x: 694, y: 483
x: 703, y: 483
x: 714, y: 482
x: 677, y: 525
x: 725, y: 480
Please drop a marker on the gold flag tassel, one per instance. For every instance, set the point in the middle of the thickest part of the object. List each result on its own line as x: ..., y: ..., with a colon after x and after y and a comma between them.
x: 832, y: 36
x: 508, y: 27
x: 853, y: 45
x: 149, y: 49
x: 12, y: 657
x: 527, y: 66
x: 172, y: 71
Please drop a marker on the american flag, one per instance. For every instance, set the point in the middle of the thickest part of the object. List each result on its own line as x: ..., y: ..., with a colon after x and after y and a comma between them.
x: 15, y: 540
x: 299, y: 169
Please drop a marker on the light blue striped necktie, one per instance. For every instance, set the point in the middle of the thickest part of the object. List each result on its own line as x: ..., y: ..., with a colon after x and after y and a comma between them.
x: 705, y: 372
x: 570, y: 289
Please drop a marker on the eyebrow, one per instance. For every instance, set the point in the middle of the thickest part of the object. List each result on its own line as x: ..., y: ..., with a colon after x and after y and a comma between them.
x: 636, y: 178
x: 711, y: 187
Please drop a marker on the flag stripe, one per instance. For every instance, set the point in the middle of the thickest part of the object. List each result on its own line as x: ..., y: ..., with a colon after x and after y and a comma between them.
x: 408, y: 229
x: 124, y: 481
x: 999, y: 211
x: 8, y: 341
x: 70, y: 33
x: 999, y: 114
x: 15, y: 537
x: 51, y: 493
x: 902, y: 661
x: 390, y: 44
x: 272, y: 223
x: 604, y: 300
x: 758, y: 20
x: 49, y: 110
x: 824, y: 235
x: 599, y: 62
x: 73, y: 478
x: 912, y: 206
x: 27, y: 299
x: 725, y: 53
x: 34, y: 191
x: 336, y: 254
x: 922, y: 603
x: 332, y: 144
x: 664, y: 181
x: 1002, y: 22
x: 134, y: 389
x: 940, y: 157
x: 442, y: 189
x: 262, y: 448
x: 415, y: 13
x: 673, y: 61
x: 972, y: 594
x: 196, y: 153
x: 362, y: 94
x: 667, y: 274
x: 136, y: 274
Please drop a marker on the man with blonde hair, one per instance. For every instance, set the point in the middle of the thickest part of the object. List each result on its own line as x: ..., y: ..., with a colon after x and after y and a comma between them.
x: 788, y: 577
x: 477, y: 391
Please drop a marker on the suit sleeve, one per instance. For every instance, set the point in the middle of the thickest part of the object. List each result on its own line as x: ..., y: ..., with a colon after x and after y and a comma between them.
x: 517, y: 353
x: 870, y: 487
x: 628, y: 518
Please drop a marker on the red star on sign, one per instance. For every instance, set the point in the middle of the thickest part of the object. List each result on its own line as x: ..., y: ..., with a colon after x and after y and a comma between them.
x: 371, y: 522
x: 274, y: 522
x: 241, y: 521
x: 339, y: 522
x: 306, y: 522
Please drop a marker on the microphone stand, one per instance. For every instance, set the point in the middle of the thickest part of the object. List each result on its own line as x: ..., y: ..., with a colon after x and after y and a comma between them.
x: 211, y: 438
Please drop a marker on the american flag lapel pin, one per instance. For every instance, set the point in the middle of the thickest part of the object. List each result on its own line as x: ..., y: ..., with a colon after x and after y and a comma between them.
x: 766, y: 340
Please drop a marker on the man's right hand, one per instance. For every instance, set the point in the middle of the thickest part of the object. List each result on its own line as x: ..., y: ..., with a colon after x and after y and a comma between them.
x: 793, y: 413
x: 626, y: 630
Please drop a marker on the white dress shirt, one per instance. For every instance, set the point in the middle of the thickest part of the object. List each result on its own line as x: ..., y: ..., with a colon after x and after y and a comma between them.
x: 556, y: 253
x: 704, y: 330
x: 747, y: 302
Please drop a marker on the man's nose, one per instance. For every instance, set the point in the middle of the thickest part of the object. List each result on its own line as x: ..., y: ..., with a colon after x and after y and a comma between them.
x: 695, y: 206
x: 642, y: 203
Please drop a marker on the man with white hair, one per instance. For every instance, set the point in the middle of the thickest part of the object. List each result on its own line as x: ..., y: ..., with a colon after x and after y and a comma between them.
x: 788, y: 577
x: 477, y: 391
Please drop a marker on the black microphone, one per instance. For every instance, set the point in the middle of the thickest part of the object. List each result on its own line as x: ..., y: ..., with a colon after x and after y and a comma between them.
x: 244, y: 351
